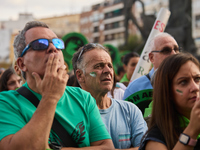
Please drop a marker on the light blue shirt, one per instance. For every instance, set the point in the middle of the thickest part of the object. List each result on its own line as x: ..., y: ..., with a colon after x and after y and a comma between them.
x: 139, y: 84
x: 125, y: 123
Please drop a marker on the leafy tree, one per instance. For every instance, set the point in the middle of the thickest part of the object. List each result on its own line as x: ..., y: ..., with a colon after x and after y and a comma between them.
x: 135, y: 43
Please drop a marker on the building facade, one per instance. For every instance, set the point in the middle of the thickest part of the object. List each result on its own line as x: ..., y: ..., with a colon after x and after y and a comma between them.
x: 63, y: 25
x: 104, y: 23
x: 8, y: 30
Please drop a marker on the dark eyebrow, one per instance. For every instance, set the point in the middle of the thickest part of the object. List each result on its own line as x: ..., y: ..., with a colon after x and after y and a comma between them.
x: 99, y: 64
x: 197, y: 75
x: 181, y: 78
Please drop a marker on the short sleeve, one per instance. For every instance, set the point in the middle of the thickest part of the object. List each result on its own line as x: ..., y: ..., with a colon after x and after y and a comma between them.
x: 11, y: 121
x: 153, y: 135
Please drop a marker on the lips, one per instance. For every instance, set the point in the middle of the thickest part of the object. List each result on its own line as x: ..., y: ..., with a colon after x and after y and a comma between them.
x: 106, y: 79
x: 194, y: 98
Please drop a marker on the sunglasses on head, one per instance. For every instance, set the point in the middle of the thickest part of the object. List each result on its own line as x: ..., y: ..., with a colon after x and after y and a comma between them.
x: 89, y: 46
x: 42, y: 44
x: 167, y: 50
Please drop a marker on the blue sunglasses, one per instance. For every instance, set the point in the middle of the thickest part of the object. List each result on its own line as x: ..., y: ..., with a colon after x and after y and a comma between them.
x: 42, y: 44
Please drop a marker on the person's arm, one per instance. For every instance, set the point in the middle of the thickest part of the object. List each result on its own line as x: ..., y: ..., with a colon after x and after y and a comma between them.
x: 34, y: 135
x: 132, y: 148
x: 98, y: 145
x: 193, y: 129
x: 99, y: 136
x: 152, y: 145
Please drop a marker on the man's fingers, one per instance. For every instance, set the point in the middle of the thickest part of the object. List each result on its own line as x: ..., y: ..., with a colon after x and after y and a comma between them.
x: 66, y: 78
x: 49, y: 63
x: 62, y: 72
x: 64, y: 67
x: 55, y: 64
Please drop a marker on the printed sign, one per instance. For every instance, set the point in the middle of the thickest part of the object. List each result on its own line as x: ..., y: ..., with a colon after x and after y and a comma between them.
x: 141, y: 98
x: 144, y: 63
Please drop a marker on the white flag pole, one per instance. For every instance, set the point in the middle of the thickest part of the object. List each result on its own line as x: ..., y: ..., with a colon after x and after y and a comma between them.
x: 144, y: 63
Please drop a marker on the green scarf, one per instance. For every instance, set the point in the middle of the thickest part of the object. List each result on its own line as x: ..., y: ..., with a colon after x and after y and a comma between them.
x: 185, y: 121
x: 148, y: 110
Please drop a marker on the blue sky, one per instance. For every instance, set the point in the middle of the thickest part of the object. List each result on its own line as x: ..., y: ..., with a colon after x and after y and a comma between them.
x: 9, y: 9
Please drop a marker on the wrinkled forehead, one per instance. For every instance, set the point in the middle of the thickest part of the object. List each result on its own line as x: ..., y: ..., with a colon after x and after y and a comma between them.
x: 39, y: 32
x: 96, y: 56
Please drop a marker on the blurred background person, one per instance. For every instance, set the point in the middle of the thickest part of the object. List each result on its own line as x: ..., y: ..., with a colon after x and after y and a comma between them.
x: 174, y: 122
x: 140, y: 90
x: 1, y: 71
x: 130, y: 61
x: 72, y: 81
x: 9, y: 80
x: 120, y: 73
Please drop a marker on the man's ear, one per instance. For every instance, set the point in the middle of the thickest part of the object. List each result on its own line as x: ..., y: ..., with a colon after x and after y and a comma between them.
x: 80, y: 76
x: 151, y: 57
x: 20, y: 63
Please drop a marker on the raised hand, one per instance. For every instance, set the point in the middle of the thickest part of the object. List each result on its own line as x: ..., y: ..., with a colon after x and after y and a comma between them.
x: 195, y: 117
x: 54, y: 81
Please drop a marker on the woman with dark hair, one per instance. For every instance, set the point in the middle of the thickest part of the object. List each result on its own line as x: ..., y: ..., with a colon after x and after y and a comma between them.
x: 175, y: 118
x: 9, y: 80
x: 130, y: 61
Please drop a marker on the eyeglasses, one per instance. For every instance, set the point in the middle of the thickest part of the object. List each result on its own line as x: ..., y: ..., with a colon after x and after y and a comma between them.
x: 88, y: 47
x: 42, y: 44
x: 168, y: 50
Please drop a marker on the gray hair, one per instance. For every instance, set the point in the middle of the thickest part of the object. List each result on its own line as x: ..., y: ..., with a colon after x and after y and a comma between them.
x: 159, y: 35
x: 20, y: 40
x: 77, y: 60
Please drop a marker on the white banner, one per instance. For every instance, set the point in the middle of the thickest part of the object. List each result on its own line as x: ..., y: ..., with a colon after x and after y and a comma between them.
x: 144, y: 63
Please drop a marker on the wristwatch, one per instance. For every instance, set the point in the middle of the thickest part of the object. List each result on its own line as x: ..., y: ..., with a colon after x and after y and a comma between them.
x: 186, y: 140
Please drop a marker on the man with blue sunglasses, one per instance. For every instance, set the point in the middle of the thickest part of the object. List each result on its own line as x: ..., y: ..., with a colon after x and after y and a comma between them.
x: 23, y: 126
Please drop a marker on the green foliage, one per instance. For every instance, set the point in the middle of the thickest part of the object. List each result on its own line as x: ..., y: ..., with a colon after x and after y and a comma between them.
x: 134, y: 43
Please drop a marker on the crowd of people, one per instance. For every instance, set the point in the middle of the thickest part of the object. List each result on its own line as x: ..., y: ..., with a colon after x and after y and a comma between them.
x: 43, y: 107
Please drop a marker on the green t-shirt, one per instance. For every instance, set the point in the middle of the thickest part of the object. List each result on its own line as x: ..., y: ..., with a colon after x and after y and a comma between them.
x: 185, y: 122
x: 76, y: 111
x: 124, y: 78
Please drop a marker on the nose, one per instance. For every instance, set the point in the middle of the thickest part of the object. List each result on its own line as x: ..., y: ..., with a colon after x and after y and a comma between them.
x: 194, y: 86
x: 52, y: 48
x: 173, y: 52
x: 17, y: 85
x: 107, y: 69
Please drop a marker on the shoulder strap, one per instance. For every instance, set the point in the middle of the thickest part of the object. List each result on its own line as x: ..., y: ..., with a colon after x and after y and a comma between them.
x: 28, y: 95
x: 56, y: 126
x: 148, y: 76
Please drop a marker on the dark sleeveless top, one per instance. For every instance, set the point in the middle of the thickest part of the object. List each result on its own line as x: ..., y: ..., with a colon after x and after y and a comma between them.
x: 156, y: 135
